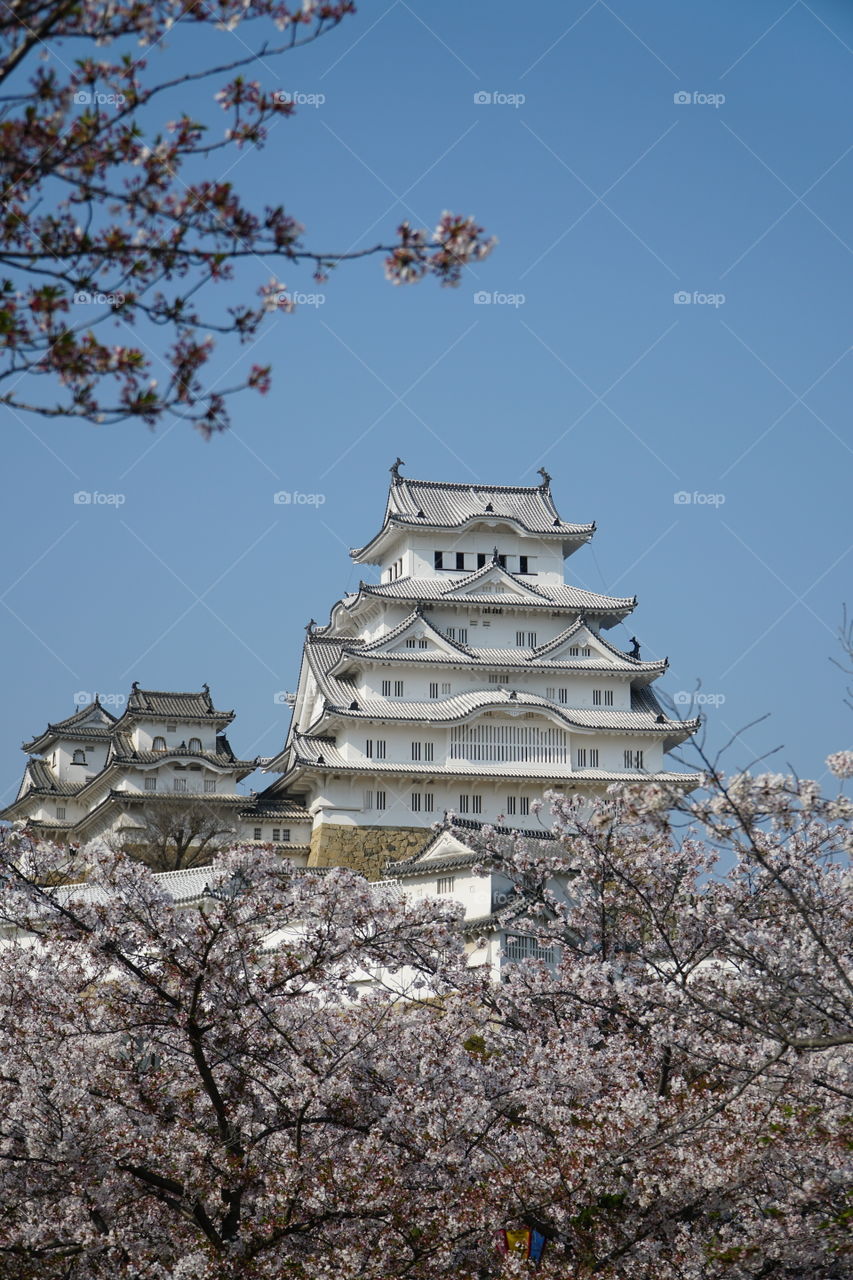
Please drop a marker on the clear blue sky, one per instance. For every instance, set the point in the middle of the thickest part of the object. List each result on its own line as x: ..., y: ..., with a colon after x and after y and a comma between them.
x: 609, y: 197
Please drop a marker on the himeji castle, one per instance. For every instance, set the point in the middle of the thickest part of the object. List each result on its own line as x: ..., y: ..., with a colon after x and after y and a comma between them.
x: 94, y: 775
x: 468, y: 680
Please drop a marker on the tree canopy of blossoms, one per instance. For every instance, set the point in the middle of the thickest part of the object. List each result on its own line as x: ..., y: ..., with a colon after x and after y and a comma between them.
x: 303, y: 1077
x: 113, y: 223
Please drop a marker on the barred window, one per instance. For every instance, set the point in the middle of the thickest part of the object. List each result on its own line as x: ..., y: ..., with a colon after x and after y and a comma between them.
x: 496, y: 743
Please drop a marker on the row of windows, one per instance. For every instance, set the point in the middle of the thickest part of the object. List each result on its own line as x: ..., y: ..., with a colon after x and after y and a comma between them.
x: 467, y: 561
x: 412, y: 642
x: 180, y: 784
x: 376, y: 749
x: 396, y: 569
x: 159, y: 744
x: 525, y: 637
x: 600, y: 697
x: 280, y: 835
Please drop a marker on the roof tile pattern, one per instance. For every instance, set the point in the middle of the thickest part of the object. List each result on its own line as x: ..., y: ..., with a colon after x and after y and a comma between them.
x: 445, y: 505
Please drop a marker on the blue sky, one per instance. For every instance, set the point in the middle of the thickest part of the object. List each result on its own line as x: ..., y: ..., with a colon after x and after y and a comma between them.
x: 610, y: 197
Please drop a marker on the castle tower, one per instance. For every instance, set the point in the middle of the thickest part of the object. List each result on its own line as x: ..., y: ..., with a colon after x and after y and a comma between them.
x: 471, y: 678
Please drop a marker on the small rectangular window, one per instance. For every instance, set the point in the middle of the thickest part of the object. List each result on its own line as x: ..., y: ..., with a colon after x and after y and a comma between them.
x: 573, y: 651
x: 460, y: 561
x: 416, y: 751
x: 633, y: 760
x: 563, y: 695
x: 210, y: 785
x: 481, y: 559
x: 524, y: 804
x: 433, y: 689
x: 60, y: 811
x: 428, y: 751
x: 423, y: 644
x: 438, y: 560
x: 398, y: 688
x: 368, y: 799
x: 596, y: 697
x: 531, y: 639
x: 593, y: 757
x: 585, y: 653
x: 608, y: 697
x: 380, y: 748
x: 285, y: 835
x: 476, y: 804
x: 150, y: 784
x: 257, y: 834
x: 445, y: 885
x: 416, y: 799
x: 429, y: 802
x: 411, y: 641
x: 550, y: 692
x: 445, y: 688
x: 463, y: 635
x: 464, y: 804
x: 510, y: 805
x: 522, y: 564
x: 451, y: 633
x: 179, y: 784
x: 276, y: 834
x: 581, y: 758
x: 502, y: 561
x: 381, y: 800
x: 368, y: 748
x: 171, y: 728
x: 386, y: 688
x: 519, y: 638
x: 494, y: 677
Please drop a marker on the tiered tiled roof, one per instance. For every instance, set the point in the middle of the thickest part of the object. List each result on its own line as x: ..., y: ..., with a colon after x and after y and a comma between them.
x: 517, y: 593
x: 343, y: 701
x: 164, y: 705
x: 489, y: 658
x: 429, y: 504
x: 74, y: 728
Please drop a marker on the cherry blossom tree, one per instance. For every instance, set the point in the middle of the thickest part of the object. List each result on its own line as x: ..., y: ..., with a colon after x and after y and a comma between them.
x: 114, y: 222
x: 302, y: 1075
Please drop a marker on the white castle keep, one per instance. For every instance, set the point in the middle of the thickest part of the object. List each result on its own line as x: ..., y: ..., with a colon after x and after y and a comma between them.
x: 468, y: 680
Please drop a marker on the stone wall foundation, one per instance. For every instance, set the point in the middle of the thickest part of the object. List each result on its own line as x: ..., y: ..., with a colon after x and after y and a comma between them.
x: 364, y: 849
